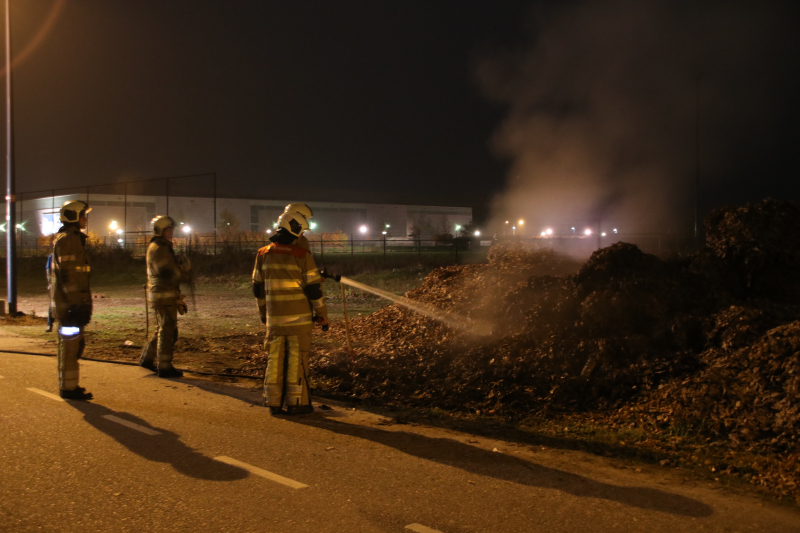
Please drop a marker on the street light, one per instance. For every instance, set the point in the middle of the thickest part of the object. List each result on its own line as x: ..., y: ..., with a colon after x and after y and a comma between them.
x: 477, y: 233
x: 187, y: 229
x: 11, y: 197
x: 362, y: 229
x: 113, y: 225
x: 587, y: 232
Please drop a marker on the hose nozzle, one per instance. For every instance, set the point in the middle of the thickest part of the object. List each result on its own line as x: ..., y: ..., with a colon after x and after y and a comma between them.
x: 327, y: 275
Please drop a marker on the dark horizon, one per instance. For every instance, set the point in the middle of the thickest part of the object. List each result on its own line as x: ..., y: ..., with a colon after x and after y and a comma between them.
x: 388, y: 100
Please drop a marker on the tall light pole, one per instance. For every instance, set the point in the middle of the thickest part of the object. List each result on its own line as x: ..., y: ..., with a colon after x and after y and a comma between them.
x: 11, y: 199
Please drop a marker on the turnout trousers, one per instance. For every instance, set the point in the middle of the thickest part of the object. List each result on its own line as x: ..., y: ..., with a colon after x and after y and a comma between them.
x: 162, y: 343
x: 70, y: 349
x: 286, y: 378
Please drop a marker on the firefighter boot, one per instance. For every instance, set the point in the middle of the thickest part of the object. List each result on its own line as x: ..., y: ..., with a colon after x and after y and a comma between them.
x: 170, y: 373
x: 76, y: 394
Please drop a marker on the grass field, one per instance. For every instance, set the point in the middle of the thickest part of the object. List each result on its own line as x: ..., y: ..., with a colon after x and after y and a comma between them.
x: 222, y: 331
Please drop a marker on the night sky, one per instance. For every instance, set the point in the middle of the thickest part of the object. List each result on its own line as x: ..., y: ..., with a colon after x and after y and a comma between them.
x: 402, y: 101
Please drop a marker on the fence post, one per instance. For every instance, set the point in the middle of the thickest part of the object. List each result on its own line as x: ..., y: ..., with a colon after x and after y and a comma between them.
x: 384, y: 246
x: 419, y: 246
x: 352, y: 245
x: 321, y: 248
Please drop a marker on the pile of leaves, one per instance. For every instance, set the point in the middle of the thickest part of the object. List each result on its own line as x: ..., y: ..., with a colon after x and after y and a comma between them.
x: 706, y: 346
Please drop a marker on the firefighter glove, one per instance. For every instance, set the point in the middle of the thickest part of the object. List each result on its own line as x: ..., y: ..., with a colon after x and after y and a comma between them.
x: 182, y: 307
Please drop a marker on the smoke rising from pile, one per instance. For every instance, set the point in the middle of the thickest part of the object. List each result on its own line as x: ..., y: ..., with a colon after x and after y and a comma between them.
x: 601, y: 122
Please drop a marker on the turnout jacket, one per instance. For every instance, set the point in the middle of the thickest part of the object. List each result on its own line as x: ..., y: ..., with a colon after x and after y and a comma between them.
x: 164, y: 273
x: 70, y: 293
x: 287, y: 286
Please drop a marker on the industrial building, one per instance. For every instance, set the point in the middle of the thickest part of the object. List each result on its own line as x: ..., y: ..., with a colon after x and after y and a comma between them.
x: 116, y: 216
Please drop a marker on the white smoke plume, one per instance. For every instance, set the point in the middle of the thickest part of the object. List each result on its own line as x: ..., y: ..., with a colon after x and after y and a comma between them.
x: 601, y: 122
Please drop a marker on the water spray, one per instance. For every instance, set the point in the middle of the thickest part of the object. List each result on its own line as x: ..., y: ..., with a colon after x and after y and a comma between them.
x: 450, y: 319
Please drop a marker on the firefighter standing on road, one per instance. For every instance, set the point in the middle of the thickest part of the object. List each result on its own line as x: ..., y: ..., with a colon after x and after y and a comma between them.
x: 287, y: 286
x: 306, y: 213
x: 71, y: 296
x: 164, y: 275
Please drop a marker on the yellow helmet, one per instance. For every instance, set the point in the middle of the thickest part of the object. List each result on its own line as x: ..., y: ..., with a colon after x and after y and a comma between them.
x: 303, y: 209
x: 294, y: 223
x: 160, y: 223
x: 72, y: 209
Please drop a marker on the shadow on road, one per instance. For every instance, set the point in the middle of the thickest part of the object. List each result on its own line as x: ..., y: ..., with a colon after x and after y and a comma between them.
x: 163, y: 448
x: 508, y: 468
x: 251, y: 394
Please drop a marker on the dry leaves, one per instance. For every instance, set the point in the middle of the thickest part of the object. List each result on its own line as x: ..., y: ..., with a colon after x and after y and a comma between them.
x: 706, y: 346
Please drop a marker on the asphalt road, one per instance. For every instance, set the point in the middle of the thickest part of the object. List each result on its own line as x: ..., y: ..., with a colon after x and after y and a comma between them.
x: 182, y: 455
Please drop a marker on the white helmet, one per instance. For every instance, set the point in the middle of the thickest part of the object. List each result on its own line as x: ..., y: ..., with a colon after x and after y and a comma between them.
x: 294, y: 223
x: 303, y: 209
x: 72, y: 210
x: 160, y: 223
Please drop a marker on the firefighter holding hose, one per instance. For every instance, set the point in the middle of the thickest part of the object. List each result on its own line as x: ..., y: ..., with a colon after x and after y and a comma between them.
x: 288, y: 288
x: 165, y: 271
x: 71, y: 296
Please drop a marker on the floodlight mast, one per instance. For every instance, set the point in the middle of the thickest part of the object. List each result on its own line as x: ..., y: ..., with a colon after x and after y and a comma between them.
x: 11, y: 222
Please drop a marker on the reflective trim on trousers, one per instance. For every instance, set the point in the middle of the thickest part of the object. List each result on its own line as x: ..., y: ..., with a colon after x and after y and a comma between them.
x: 69, y: 350
x: 285, y: 380
x: 295, y: 375
x: 161, y: 345
x: 273, y: 378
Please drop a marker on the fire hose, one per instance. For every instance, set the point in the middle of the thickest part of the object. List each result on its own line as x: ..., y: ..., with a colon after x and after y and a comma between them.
x: 325, y: 274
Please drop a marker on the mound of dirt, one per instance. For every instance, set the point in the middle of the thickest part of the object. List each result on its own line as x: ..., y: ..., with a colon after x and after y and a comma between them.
x: 708, y: 343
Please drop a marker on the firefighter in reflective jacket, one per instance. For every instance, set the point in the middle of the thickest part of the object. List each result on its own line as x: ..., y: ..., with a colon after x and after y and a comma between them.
x: 71, y: 296
x: 304, y: 211
x: 165, y: 272
x: 287, y: 285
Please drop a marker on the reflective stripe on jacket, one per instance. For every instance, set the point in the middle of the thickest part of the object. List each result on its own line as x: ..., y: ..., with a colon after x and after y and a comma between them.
x: 69, y: 282
x: 285, y: 271
x: 163, y: 273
